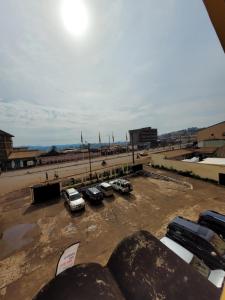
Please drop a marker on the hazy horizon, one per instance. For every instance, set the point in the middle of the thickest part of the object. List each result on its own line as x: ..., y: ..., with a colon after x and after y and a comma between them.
x: 132, y: 64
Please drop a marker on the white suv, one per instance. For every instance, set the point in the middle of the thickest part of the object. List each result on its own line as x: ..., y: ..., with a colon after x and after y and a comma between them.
x: 74, y: 199
x: 121, y: 185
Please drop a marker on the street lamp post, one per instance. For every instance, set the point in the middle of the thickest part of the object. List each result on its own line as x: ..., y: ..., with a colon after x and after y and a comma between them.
x: 132, y: 144
x: 89, y: 156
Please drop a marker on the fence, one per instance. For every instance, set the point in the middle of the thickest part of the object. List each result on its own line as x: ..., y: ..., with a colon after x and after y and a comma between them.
x: 100, y: 175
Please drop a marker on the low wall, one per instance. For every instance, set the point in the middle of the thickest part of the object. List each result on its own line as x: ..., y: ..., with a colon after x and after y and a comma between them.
x: 202, y: 170
x: 100, y: 175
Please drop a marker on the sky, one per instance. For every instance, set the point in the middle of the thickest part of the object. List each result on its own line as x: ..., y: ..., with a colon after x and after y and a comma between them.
x: 139, y: 63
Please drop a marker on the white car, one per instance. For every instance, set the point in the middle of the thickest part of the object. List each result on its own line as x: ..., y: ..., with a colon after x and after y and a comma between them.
x: 74, y: 199
x: 214, y: 276
x: 106, y: 189
x: 121, y: 185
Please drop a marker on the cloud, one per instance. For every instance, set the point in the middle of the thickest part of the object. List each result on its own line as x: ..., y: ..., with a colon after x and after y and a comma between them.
x: 142, y: 63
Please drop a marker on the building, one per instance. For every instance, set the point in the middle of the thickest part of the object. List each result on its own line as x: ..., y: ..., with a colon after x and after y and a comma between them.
x: 212, y: 136
x: 23, y: 159
x: 144, y: 137
x: 6, y: 147
x: 15, y: 158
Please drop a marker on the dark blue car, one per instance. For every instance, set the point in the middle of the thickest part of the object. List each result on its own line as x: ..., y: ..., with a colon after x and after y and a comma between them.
x: 200, y: 240
x: 214, y: 221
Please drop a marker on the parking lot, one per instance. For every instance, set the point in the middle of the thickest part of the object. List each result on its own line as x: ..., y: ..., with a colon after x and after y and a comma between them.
x: 35, y: 235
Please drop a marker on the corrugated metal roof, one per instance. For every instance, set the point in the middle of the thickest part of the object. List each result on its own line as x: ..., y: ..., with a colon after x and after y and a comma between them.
x: 24, y: 154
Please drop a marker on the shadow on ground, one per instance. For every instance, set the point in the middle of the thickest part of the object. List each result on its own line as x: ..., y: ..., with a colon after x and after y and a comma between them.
x: 129, y: 197
x: 36, y: 206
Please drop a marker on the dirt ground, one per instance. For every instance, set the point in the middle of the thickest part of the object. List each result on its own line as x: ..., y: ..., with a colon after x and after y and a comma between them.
x: 35, y: 235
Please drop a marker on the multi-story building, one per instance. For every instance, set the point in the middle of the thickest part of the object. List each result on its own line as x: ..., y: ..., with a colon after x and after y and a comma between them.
x: 6, y: 147
x: 144, y: 137
x: 15, y: 158
x: 212, y: 136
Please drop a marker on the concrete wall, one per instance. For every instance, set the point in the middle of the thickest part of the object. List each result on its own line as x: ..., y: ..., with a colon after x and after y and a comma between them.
x: 221, y: 152
x: 202, y: 170
x: 211, y: 143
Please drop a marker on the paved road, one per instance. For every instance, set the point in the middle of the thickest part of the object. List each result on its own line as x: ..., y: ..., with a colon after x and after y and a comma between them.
x: 15, y: 180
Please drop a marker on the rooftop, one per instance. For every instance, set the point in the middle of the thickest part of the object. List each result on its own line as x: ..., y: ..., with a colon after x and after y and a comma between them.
x: 213, y: 214
x: 105, y: 184
x: 213, y: 161
x: 211, y: 126
x: 94, y: 190
x: 5, y: 133
x: 24, y: 154
x: 72, y: 191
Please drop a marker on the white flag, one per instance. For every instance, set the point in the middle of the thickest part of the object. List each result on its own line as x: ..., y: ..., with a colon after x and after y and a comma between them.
x: 67, y: 259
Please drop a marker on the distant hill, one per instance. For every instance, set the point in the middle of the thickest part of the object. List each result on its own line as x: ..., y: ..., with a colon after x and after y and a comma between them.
x: 68, y: 146
x: 183, y: 132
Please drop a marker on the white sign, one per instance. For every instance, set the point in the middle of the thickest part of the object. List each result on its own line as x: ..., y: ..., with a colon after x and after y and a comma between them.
x: 67, y: 259
x: 30, y: 163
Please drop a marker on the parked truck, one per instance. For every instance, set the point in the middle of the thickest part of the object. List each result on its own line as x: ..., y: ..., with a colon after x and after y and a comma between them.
x: 121, y: 185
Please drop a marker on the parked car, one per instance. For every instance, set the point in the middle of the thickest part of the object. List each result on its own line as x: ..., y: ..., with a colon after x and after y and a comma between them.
x: 121, y: 185
x: 106, y: 189
x: 201, y: 241
x: 74, y: 199
x: 93, y: 195
x: 214, y: 276
x: 214, y: 221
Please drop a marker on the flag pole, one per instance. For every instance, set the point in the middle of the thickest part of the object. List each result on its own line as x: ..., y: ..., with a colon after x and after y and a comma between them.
x: 100, y: 143
x: 127, y: 141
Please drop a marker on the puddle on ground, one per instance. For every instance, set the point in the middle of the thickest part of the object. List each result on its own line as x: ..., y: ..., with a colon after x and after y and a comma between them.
x: 16, y: 237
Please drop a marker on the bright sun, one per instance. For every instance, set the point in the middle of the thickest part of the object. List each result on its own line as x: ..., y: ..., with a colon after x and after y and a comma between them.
x: 75, y: 16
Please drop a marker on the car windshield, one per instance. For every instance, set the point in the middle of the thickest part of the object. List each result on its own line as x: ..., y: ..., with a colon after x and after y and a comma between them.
x: 75, y: 197
x: 199, y: 266
x: 218, y: 243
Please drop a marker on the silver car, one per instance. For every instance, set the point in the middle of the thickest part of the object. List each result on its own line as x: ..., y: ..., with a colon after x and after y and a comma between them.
x: 74, y: 199
x: 106, y: 189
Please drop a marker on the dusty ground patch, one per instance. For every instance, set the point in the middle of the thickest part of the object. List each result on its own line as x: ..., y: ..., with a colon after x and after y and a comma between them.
x: 151, y: 206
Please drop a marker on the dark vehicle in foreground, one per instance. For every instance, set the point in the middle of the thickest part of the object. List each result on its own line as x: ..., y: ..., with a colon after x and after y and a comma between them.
x: 93, y: 195
x: 201, y: 241
x: 214, y: 221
